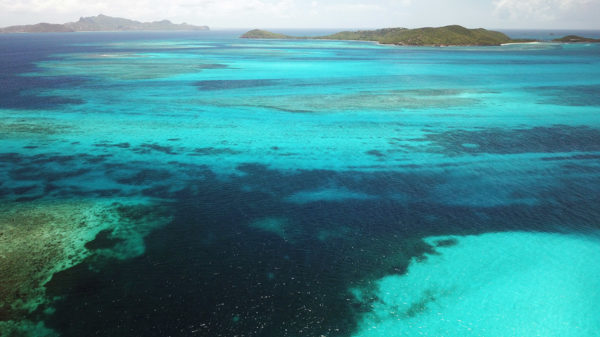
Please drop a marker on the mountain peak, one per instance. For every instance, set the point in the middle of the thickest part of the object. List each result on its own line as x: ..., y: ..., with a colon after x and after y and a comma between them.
x: 103, y: 22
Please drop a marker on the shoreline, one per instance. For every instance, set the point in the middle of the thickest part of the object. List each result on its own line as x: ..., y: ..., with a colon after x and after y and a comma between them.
x: 531, y: 42
x: 405, y: 45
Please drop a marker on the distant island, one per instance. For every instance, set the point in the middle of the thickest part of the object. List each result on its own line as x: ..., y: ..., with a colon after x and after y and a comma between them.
x: 575, y: 39
x: 102, y: 23
x: 454, y: 35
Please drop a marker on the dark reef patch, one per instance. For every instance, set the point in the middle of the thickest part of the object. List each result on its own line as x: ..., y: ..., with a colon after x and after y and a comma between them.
x: 420, y: 306
x: 145, y: 177
x: 580, y: 168
x: 446, y: 243
x: 573, y: 95
x: 50, y: 175
x: 90, y: 159
x: 574, y: 157
x: 235, y: 84
x: 23, y: 190
x: 103, y: 240
x: 43, y: 159
x: 11, y: 157
x: 18, y: 99
x: 31, y: 173
x: 118, y: 145
x: 208, y: 151
x: 383, y: 184
x: 30, y: 198
x: 375, y: 153
x: 557, y: 138
x: 106, y: 193
x: 148, y: 148
x: 157, y: 191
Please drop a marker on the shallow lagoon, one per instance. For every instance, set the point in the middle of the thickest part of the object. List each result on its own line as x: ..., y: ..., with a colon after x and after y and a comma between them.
x: 198, y: 184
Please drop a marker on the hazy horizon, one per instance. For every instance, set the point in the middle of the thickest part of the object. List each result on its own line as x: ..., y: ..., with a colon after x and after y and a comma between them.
x: 334, y: 14
x: 317, y: 28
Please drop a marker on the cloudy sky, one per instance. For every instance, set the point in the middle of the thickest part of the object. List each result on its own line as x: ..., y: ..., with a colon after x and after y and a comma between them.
x: 552, y: 14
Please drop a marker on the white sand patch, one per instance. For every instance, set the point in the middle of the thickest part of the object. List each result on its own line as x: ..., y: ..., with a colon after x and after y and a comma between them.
x: 493, y: 285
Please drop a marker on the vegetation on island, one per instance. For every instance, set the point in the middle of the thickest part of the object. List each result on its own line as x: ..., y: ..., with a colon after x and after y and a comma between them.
x: 448, y: 35
x: 102, y: 23
x: 441, y: 36
x: 37, y: 28
x: 575, y: 39
x: 264, y: 34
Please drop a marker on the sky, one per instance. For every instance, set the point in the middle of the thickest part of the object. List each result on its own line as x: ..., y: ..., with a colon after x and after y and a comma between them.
x: 516, y: 14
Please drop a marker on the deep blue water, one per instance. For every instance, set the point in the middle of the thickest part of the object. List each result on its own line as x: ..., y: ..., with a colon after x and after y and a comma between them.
x: 197, y: 184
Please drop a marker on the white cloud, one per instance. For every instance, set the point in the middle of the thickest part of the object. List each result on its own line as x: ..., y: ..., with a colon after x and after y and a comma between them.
x: 539, y: 10
x: 315, y: 13
x: 59, y: 6
x: 193, y: 11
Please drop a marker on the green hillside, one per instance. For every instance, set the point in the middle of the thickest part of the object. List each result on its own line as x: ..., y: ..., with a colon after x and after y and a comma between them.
x: 263, y: 34
x: 575, y: 39
x: 449, y: 35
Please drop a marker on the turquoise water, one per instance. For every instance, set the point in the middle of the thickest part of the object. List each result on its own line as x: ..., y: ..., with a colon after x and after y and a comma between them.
x: 200, y: 184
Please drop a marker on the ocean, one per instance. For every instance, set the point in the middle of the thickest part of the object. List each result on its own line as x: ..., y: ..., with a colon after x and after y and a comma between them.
x: 198, y: 184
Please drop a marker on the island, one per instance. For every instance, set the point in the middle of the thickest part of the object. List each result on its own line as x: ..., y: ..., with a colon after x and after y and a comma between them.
x: 575, y: 39
x: 102, y: 23
x: 453, y: 35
